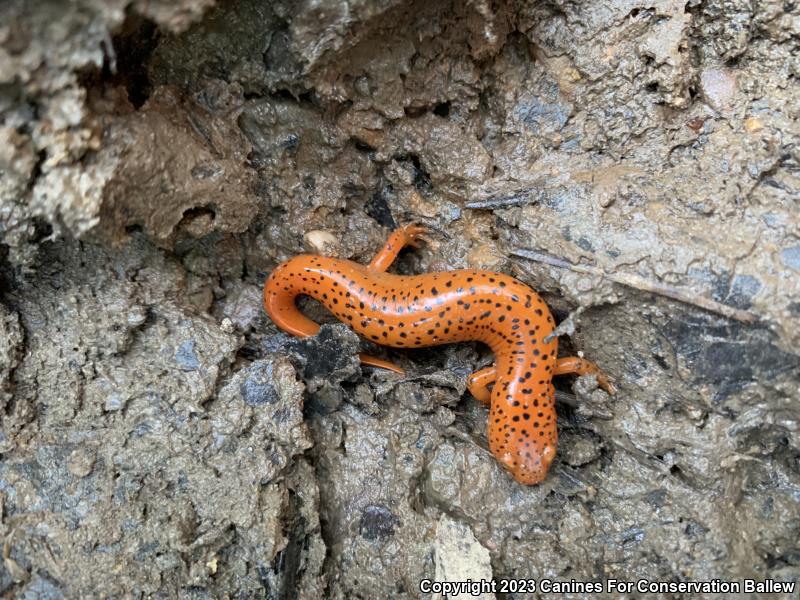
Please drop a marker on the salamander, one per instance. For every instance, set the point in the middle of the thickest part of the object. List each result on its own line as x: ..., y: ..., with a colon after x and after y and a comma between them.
x: 412, y: 311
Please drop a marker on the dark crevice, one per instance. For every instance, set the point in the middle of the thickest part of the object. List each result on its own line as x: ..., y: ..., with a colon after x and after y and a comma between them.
x: 306, y: 97
x: 442, y: 109
x: 133, y: 228
x: 133, y: 45
x: 125, y: 61
x: 282, y: 577
x: 422, y: 179
x: 190, y: 214
x: 6, y: 271
x: 362, y: 146
x: 412, y: 112
x: 378, y: 208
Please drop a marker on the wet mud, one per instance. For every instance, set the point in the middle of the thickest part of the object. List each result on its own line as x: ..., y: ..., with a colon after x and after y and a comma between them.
x: 637, y: 163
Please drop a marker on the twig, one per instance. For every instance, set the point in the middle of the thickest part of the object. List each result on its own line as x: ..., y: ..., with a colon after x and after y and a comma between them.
x: 640, y: 283
x: 519, y: 198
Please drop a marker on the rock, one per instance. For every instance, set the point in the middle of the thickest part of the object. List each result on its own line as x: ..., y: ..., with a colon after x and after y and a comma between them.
x: 459, y: 557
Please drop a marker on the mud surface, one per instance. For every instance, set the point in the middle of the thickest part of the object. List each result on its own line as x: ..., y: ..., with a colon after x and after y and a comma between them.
x: 161, y: 438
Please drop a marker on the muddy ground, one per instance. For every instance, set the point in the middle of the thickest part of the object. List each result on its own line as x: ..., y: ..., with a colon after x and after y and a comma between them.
x: 637, y: 162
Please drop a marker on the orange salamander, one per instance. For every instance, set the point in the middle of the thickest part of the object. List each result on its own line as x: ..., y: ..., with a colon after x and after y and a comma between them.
x: 410, y: 311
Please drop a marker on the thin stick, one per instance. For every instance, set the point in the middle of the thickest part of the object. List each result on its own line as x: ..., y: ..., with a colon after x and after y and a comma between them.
x: 640, y: 283
x: 519, y: 198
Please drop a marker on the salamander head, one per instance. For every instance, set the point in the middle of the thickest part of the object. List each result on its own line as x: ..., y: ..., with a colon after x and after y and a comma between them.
x: 529, y: 465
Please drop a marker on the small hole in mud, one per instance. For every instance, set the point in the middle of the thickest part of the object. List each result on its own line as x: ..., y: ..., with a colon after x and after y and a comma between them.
x: 198, y: 211
x: 362, y: 146
x: 42, y: 230
x: 652, y: 87
x: 442, y: 109
x: 675, y: 470
x: 661, y: 362
x: 131, y: 229
x: 198, y: 220
x: 413, y: 112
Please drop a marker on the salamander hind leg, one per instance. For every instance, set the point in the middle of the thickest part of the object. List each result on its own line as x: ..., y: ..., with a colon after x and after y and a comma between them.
x: 581, y: 366
x: 410, y: 235
x: 478, y: 384
x: 380, y: 363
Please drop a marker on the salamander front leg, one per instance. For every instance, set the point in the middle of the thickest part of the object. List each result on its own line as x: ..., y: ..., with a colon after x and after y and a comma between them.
x: 581, y: 366
x: 478, y: 384
x: 410, y: 235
